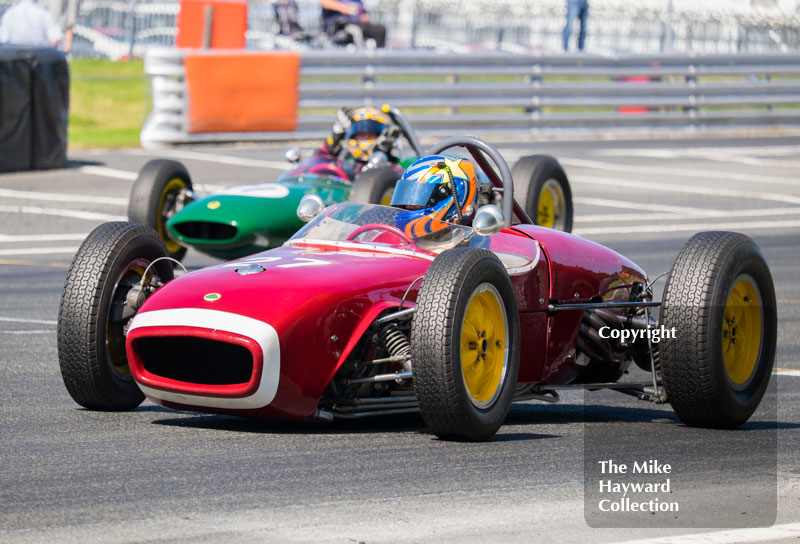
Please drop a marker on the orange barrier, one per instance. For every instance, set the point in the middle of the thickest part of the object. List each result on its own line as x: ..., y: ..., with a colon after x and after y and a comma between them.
x: 229, y: 23
x: 634, y: 109
x: 242, y: 92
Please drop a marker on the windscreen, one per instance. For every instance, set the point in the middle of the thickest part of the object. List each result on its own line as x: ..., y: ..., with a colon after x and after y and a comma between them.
x: 376, y: 225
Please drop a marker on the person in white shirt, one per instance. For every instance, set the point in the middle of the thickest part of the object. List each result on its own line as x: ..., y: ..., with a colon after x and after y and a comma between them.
x: 65, y: 13
x: 28, y: 23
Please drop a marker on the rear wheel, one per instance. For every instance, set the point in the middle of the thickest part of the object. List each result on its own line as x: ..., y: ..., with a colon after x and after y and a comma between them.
x: 465, y: 345
x: 160, y: 191
x: 542, y: 189
x: 94, y: 313
x: 374, y: 186
x: 721, y: 301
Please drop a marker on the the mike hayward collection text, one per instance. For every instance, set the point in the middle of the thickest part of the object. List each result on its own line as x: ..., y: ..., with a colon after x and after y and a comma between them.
x: 619, y: 491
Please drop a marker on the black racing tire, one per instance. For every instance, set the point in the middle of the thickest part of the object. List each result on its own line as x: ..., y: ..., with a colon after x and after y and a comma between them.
x: 720, y: 287
x: 91, y: 343
x: 456, y: 280
x: 542, y: 189
x: 153, y: 199
x: 374, y: 186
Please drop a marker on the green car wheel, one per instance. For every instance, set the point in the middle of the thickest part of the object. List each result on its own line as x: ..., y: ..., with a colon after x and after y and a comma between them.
x: 162, y: 189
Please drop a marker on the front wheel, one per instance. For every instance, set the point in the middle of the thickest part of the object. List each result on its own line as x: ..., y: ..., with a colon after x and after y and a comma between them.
x: 720, y: 299
x: 95, y: 311
x: 542, y: 189
x: 465, y: 345
x: 161, y: 190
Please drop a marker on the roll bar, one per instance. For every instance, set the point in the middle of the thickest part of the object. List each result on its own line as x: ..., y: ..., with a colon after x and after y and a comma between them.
x: 401, y: 121
x: 504, y: 182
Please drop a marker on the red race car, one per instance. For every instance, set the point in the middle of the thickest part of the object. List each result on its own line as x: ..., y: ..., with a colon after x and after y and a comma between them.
x: 432, y: 305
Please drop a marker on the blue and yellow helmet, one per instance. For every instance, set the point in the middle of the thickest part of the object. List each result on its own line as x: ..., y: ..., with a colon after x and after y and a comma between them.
x: 426, y: 191
x: 366, y: 121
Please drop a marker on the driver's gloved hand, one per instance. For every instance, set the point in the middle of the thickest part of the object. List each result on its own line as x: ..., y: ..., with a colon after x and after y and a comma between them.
x: 340, y: 127
x: 387, y: 138
x: 343, y: 121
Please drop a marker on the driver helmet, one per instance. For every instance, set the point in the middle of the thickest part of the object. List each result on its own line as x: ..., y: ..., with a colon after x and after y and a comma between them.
x: 426, y: 192
x: 366, y: 124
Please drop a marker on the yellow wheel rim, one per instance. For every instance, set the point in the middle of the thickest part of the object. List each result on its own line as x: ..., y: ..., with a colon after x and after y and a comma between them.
x: 741, y: 331
x: 386, y: 199
x: 551, y: 208
x: 484, y: 346
x: 170, y: 191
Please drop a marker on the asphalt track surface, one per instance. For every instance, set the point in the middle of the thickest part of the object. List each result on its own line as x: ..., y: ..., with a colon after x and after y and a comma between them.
x: 153, y: 475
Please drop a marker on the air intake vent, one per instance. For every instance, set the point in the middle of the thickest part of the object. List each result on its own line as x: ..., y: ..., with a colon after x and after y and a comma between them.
x: 195, y: 360
x: 206, y: 230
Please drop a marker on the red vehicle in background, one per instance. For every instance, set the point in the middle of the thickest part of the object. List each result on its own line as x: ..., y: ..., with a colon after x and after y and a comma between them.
x: 353, y: 317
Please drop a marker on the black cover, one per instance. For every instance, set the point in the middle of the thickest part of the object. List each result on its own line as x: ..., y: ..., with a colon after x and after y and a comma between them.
x: 15, y: 110
x: 34, y: 105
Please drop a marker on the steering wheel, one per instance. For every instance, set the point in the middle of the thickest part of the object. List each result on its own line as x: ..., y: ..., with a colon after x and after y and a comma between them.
x: 379, y: 226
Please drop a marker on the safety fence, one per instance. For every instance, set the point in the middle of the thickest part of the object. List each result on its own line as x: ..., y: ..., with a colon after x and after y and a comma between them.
x: 121, y: 28
x: 495, y: 92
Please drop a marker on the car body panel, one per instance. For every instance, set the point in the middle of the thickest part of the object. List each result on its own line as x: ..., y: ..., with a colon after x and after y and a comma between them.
x: 580, y: 271
x: 321, y: 296
x: 310, y: 294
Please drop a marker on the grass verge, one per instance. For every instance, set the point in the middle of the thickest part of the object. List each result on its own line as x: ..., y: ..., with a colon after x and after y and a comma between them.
x: 108, y: 103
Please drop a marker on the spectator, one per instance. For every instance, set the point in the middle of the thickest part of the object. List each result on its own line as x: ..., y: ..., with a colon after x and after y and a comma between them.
x: 347, y: 21
x: 27, y: 23
x: 579, y: 9
x: 65, y: 12
x: 288, y: 21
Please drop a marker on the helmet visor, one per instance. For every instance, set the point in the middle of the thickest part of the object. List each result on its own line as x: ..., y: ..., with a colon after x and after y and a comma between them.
x: 366, y: 126
x: 414, y: 193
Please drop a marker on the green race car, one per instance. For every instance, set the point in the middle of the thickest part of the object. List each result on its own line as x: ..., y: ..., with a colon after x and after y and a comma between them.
x: 246, y: 219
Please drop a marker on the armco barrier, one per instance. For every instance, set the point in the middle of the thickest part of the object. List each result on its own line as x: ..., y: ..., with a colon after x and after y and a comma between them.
x: 500, y: 92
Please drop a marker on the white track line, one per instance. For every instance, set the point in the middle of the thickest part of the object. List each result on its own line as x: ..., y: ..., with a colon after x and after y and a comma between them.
x: 730, y: 536
x: 75, y: 214
x: 689, y: 172
x: 629, y: 205
x: 42, y: 237
x: 106, y: 172
x: 39, y: 251
x: 759, y: 212
x: 33, y: 331
x: 753, y: 161
x: 62, y: 197
x: 738, y: 226
x: 787, y: 372
x: 646, y: 186
x: 26, y: 320
x: 621, y: 218
x: 213, y: 188
x: 676, y: 152
x: 224, y: 159
x: 699, y: 153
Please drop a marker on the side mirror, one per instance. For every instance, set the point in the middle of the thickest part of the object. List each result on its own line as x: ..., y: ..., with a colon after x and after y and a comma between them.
x: 310, y: 206
x: 292, y: 155
x: 488, y: 220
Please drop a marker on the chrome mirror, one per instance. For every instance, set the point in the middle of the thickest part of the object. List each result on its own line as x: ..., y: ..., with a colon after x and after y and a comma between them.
x: 488, y: 220
x: 293, y: 155
x: 310, y: 206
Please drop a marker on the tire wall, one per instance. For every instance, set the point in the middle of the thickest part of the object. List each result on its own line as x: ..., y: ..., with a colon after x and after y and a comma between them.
x: 34, y: 105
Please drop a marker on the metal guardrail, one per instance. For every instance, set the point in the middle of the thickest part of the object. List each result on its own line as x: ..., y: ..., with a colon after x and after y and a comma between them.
x: 494, y: 92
